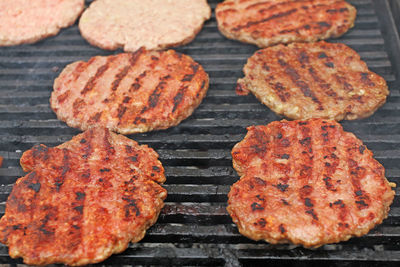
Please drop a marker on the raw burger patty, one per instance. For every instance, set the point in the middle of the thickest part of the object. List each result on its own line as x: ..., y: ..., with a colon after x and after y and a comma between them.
x: 129, y: 93
x: 313, y: 80
x: 153, y: 24
x: 308, y: 183
x: 83, y: 200
x: 28, y: 21
x: 266, y: 23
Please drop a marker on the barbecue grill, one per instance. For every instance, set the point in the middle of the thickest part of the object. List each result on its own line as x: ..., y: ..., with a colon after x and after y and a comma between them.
x: 194, y: 227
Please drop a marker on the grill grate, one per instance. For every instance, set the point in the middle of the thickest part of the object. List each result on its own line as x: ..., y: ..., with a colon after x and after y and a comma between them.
x: 194, y: 227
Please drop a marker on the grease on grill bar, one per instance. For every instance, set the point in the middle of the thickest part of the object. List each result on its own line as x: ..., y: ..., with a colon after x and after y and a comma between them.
x: 194, y: 227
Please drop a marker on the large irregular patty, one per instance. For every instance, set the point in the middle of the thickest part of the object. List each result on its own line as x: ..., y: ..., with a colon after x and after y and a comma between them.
x: 28, y: 21
x: 129, y: 93
x: 153, y: 24
x: 313, y: 80
x: 83, y: 200
x: 306, y: 182
x: 265, y: 23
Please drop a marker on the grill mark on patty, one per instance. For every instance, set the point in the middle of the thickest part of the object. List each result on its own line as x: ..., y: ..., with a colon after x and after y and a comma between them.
x: 325, y: 87
x: 189, y: 77
x: 95, y: 118
x: 110, y: 151
x: 100, y: 71
x: 281, y: 91
x: 78, y: 104
x: 296, y: 79
x: 59, y: 180
x: 178, y: 97
x: 133, y: 58
x: 275, y: 16
x: 64, y: 96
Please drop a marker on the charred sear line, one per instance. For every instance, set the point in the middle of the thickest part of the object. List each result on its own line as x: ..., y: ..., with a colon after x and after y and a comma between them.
x: 119, y: 77
x: 100, y: 71
x: 256, y: 206
x: 282, y: 187
x: 77, y: 105
x: 275, y: 16
x: 131, y: 208
x: 178, y: 97
x: 110, y: 151
x: 281, y: 91
x: 63, y: 97
x: 282, y: 228
x: 96, y: 117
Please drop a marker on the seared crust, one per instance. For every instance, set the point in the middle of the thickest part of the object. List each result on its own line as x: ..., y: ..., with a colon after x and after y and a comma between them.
x: 27, y: 21
x: 83, y: 200
x: 308, y: 183
x: 153, y: 24
x: 269, y: 22
x: 313, y: 80
x: 129, y: 93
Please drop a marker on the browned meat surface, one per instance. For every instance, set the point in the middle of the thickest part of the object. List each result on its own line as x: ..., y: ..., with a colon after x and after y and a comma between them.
x: 268, y: 22
x: 313, y: 80
x: 129, y: 93
x: 83, y: 200
x: 308, y: 183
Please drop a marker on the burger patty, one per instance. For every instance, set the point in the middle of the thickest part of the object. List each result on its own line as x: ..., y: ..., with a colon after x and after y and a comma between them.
x: 27, y: 21
x: 153, y: 24
x: 83, y: 200
x: 265, y: 23
x: 313, y: 80
x: 129, y: 93
x: 308, y: 183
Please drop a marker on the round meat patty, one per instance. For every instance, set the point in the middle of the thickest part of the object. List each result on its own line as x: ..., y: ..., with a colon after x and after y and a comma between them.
x: 308, y: 183
x: 83, y: 200
x: 28, y: 21
x: 313, y: 80
x: 266, y: 23
x: 153, y: 24
x: 129, y: 93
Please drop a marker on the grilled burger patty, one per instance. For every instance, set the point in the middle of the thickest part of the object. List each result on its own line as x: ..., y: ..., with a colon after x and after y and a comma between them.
x: 153, y: 24
x: 309, y: 80
x: 129, y: 93
x: 28, y: 21
x: 83, y: 200
x: 265, y: 23
x: 306, y: 182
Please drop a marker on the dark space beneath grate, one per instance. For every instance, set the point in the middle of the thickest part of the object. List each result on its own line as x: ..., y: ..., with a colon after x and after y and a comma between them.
x: 194, y: 227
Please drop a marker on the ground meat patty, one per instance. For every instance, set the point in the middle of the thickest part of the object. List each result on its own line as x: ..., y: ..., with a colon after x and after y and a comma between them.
x: 153, y: 24
x: 28, y: 21
x: 306, y: 182
x: 129, y: 93
x: 309, y: 80
x: 265, y: 23
x: 83, y: 200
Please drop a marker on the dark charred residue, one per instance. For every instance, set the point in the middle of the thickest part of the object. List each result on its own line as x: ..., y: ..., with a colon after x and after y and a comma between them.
x: 261, y: 222
x: 121, y: 111
x: 284, y: 202
x: 105, y: 170
x: 83, y: 140
x: 303, y: 57
x: 178, y: 97
x: 86, y: 174
x: 154, y: 58
x: 303, y: 123
x: 156, y: 168
x: 361, y: 149
x: 255, y: 206
x: 285, y: 156
x: 260, y: 198
x: 282, y: 187
x: 312, y: 213
x: 79, y: 209
x: 324, y: 24
x: 359, y: 193
x: 361, y: 204
x: 35, y: 187
x: 80, y: 195
x: 40, y: 151
x: 327, y: 164
x: 133, y: 158
x: 306, y: 141
x: 365, y: 79
x: 322, y: 55
x: 339, y: 203
x: 329, y: 64
x: 282, y: 229
x: 281, y: 91
x: 119, y: 77
x: 126, y: 99
x: 328, y: 184
x: 279, y: 136
x: 308, y: 202
x: 131, y: 207
x: 272, y: 17
x: 95, y: 117
x: 266, y: 67
x: 187, y: 78
x: 285, y: 142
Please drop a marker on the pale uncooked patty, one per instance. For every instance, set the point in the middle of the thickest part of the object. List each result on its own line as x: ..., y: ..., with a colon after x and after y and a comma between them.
x: 313, y: 80
x: 153, y: 24
x: 28, y: 21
